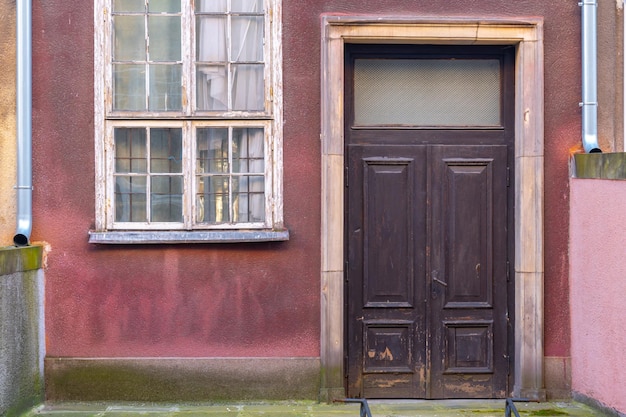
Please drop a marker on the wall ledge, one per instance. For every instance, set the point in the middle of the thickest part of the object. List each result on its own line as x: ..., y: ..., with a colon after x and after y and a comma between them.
x: 609, y: 166
x: 15, y: 259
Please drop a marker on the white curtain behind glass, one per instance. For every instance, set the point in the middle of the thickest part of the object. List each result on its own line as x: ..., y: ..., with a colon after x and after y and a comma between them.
x: 246, y: 84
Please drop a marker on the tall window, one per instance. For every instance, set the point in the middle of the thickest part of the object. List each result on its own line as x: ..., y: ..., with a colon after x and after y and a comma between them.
x: 188, y: 125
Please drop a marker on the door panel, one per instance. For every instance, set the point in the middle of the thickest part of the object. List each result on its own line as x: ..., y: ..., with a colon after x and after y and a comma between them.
x: 468, y: 276
x: 386, y: 309
x: 388, y: 232
x: 426, y: 268
x: 427, y: 239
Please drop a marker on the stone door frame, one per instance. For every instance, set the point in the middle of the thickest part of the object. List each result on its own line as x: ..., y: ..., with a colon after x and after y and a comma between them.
x: 526, y: 34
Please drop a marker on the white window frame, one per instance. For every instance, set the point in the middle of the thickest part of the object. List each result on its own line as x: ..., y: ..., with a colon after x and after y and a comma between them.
x: 106, y: 119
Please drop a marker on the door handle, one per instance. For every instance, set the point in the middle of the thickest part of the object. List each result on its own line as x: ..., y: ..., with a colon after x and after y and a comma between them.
x: 435, y: 277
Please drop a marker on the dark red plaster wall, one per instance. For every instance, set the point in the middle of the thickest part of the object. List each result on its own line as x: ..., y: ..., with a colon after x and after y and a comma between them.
x: 242, y: 299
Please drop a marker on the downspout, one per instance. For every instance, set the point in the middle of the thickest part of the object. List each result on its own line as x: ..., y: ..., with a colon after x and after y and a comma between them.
x: 24, y: 185
x: 589, y: 76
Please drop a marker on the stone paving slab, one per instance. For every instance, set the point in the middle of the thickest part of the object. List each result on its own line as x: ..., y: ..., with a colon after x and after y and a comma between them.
x: 379, y: 408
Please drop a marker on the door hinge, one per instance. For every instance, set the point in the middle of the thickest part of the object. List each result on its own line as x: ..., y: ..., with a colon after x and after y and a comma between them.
x: 508, y: 176
x: 345, y: 177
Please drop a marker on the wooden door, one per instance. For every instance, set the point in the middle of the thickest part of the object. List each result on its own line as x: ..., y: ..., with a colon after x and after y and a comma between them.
x: 427, y: 249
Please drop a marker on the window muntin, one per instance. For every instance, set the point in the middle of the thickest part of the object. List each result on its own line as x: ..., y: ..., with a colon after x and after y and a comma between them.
x: 195, y: 174
x: 160, y: 51
x: 147, y: 56
x: 230, y: 179
x: 148, y: 174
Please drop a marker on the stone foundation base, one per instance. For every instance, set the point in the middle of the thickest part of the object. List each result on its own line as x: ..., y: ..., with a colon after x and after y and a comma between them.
x: 181, y: 379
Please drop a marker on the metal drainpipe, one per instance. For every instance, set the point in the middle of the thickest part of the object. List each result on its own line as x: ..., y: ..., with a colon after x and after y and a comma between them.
x: 590, y: 76
x: 24, y: 185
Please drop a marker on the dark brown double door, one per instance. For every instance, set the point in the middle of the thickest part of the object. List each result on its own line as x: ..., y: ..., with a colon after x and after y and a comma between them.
x: 427, y: 249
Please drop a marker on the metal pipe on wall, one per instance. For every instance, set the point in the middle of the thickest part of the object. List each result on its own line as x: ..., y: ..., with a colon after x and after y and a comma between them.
x: 24, y: 185
x: 590, y: 76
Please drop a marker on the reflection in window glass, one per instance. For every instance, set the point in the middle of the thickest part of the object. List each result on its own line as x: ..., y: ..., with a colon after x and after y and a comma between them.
x: 227, y: 191
x: 153, y: 154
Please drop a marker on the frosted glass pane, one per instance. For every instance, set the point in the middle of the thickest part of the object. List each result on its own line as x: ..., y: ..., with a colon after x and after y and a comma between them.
x: 171, y: 6
x: 129, y: 87
x: 211, y: 5
x: 164, y: 32
x: 427, y: 92
x: 165, y: 87
x: 129, y: 5
x: 129, y: 43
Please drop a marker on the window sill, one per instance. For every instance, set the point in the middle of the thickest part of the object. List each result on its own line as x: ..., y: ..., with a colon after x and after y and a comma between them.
x: 183, y: 236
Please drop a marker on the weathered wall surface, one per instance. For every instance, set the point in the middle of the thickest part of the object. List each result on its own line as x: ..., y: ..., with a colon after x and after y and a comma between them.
x: 248, y: 300
x: 610, y: 77
x: 597, y: 271
x: 7, y: 121
x: 21, y: 355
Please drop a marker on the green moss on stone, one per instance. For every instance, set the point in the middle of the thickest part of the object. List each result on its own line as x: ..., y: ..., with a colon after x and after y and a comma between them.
x: 14, y: 259
x: 548, y: 412
x: 171, y: 380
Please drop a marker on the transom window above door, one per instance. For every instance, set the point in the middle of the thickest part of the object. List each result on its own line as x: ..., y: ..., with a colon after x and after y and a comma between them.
x: 431, y: 87
x: 188, y: 124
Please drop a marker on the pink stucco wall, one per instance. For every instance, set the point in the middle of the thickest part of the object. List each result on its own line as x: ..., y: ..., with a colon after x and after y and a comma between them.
x: 239, y: 300
x: 597, y: 289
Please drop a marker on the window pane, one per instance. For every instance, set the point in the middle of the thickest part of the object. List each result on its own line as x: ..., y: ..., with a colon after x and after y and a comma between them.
x: 166, y: 150
x: 211, y: 5
x: 212, y: 150
x: 129, y: 5
x: 248, y: 199
x: 166, y: 199
x: 165, y: 87
x: 248, y: 87
x: 130, y: 199
x: 427, y: 92
x: 130, y: 150
x: 212, y: 87
x: 129, y: 38
x: 247, y: 33
x: 248, y: 155
x: 212, y: 199
x: 247, y: 5
x: 129, y: 87
x: 171, y: 6
x: 165, y: 35
x: 211, y: 44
